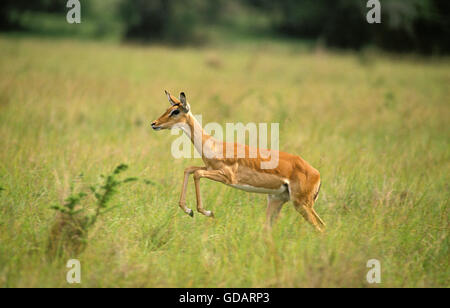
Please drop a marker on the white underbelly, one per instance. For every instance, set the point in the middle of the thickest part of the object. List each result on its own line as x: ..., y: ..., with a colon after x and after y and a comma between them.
x: 260, y: 190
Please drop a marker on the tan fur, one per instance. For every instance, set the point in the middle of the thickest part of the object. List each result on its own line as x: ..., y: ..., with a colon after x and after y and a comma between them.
x: 301, y: 180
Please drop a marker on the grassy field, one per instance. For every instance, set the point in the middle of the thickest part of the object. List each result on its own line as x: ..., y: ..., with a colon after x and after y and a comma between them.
x: 375, y: 126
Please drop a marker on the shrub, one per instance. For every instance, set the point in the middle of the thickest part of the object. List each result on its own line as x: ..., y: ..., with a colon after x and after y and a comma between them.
x: 69, y: 233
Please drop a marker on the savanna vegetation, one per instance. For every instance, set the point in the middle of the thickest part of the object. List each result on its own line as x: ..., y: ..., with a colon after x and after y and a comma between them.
x: 375, y: 125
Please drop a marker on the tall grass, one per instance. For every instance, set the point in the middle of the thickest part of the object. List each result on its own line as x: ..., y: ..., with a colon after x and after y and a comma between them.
x: 376, y: 127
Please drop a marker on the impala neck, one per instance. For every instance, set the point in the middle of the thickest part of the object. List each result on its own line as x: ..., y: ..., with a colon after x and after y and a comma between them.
x: 196, y: 133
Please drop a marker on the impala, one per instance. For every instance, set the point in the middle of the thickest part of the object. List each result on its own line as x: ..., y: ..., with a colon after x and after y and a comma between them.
x: 291, y: 179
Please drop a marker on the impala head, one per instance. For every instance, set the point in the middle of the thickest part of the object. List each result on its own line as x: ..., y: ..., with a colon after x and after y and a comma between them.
x: 175, y: 114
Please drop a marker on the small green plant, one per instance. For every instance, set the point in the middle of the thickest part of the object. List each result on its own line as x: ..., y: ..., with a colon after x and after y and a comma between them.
x: 69, y: 232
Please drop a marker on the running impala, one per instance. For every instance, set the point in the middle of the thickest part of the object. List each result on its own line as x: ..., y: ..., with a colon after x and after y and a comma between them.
x: 291, y: 179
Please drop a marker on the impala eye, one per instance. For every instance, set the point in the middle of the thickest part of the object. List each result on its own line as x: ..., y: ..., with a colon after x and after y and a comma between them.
x: 175, y: 112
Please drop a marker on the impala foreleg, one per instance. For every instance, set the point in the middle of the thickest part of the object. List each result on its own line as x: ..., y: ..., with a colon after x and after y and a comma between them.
x: 187, y: 172
x: 215, y: 175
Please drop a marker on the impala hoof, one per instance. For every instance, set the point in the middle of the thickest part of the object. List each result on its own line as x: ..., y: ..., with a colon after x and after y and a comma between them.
x: 209, y: 214
x: 191, y: 213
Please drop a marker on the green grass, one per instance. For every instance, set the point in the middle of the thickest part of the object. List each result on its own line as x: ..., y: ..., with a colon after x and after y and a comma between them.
x: 375, y: 126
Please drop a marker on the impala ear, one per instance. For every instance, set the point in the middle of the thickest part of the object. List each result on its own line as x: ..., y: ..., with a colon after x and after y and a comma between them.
x: 172, y: 99
x: 184, y: 102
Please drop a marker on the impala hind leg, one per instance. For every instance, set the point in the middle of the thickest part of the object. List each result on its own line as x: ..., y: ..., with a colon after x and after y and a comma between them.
x: 306, y: 209
x: 321, y: 222
x: 274, y: 205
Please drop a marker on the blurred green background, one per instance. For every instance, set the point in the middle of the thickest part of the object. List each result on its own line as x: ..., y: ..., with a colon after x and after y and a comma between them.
x: 413, y: 25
